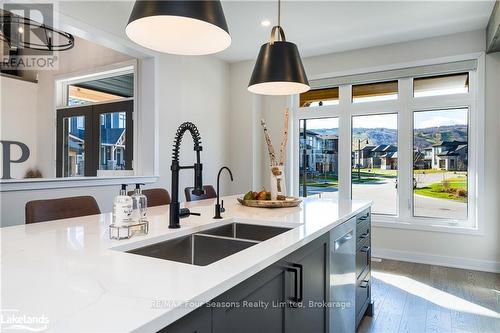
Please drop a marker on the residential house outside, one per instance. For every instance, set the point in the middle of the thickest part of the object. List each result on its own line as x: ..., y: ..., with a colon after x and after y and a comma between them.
x: 450, y: 156
x: 380, y: 156
x: 422, y: 159
x: 389, y: 161
x: 362, y: 156
x: 321, y: 153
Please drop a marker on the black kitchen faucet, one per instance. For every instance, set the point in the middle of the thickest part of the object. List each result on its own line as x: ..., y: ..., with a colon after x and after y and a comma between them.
x: 175, y: 212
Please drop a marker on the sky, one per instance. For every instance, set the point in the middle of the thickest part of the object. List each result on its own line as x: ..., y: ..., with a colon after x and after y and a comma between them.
x: 323, y: 123
x: 427, y: 119
x: 423, y: 119
x: 376, y: 121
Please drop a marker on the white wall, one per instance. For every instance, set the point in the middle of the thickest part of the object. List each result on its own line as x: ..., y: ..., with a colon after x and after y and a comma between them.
x: 18, y: 121
x: 190, y: 89
x: 481, y: 251
x: 244, y: 144
x: 194, y: 89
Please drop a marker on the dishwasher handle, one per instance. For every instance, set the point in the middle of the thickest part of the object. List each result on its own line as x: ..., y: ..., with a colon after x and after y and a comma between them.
x: 343, y: 239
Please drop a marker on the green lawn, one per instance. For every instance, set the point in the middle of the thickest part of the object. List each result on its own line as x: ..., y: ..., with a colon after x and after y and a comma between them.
x: 374, y: 173
x: 446, y: 190
x: 327, y: 184
x: 365, y: 179
x: 429, y: 171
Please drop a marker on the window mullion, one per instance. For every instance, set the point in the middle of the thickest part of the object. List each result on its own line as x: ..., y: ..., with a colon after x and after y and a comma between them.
x: 405, y: 150
x: 345, y: 142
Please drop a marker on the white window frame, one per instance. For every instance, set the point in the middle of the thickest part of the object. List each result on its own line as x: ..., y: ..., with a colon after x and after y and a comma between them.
x: 405, y: 106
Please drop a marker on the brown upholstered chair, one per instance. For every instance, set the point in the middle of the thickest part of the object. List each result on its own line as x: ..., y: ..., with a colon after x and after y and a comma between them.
x: 63, y: 208
x: 209, y: 193
x: 156, y: 196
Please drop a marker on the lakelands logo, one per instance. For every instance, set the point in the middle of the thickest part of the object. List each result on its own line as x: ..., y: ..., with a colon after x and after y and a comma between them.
x: 14, y: 320
x: 23, y: 28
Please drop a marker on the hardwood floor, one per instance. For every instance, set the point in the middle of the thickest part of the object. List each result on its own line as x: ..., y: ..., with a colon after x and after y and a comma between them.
x: 417, y: 298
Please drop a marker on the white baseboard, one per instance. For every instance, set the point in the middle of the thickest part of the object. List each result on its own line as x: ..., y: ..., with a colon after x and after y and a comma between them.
x: 432, y: 259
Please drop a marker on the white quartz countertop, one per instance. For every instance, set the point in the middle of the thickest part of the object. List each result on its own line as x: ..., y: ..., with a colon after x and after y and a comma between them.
x: 70, y: 272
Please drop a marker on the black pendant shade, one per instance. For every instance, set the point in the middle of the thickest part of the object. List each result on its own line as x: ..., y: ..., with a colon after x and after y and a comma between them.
x: 278, y: 70
x: 179, y: 27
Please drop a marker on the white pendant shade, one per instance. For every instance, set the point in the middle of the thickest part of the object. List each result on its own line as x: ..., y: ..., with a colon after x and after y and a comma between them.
x: 278, y: 88
x: 178, y: 35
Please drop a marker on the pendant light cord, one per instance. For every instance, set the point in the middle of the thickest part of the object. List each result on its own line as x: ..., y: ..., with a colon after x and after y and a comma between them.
x: 277, y: 28
x: 279, y: 13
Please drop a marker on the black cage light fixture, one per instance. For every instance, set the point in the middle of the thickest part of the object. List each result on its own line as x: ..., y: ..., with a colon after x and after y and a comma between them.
x: 23, y: 33
x: 278, y: 69
x: 179, y: 27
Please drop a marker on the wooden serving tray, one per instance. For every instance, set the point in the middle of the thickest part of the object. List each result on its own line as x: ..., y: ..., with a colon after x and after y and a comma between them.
x: 288, y: 202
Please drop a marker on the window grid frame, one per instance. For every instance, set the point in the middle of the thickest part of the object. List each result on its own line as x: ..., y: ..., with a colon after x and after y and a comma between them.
x: 405, y: 106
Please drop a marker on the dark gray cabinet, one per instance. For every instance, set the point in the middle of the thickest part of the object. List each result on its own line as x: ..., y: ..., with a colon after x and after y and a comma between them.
x: 311, y: 314
x: 289, y: 296
x: 198, y: 321
x: 254, y: 305
x: 281, y: 295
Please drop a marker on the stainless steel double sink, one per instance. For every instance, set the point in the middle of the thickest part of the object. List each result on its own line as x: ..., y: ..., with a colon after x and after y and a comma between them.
x: 209, y: 246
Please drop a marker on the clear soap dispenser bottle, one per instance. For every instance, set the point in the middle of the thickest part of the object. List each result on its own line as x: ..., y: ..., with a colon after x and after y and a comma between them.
x: 139, y: 204
x: 122, y: 208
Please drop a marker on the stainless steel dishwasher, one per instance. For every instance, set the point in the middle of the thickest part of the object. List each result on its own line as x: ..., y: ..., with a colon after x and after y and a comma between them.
x: 343, y: 277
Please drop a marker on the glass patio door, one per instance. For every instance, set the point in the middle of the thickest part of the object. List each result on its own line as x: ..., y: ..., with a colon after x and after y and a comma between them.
x: 94, y: 137
x: 73, y: 139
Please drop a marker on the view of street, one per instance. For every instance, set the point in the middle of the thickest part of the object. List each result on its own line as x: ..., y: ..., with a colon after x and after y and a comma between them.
x: 381, y: 189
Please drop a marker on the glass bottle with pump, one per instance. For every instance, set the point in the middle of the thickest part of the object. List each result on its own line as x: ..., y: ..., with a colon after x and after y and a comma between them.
x: 139, y: 204
x: 122, y: 208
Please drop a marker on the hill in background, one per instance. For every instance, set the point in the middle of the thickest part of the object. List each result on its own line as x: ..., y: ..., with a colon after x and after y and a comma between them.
x: 424, y: 137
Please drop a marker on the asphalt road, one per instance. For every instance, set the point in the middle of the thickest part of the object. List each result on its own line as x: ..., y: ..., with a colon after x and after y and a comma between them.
x: 384, y: 196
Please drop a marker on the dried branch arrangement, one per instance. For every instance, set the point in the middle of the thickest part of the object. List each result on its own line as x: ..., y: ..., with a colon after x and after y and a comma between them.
x: 270, y: 147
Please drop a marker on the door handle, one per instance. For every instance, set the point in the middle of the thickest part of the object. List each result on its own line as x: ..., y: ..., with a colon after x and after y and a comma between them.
x: 300, y: 298
x: 292, y: 302
x: 365, y: 249
x: 298, y: 284
x: 365, y: 234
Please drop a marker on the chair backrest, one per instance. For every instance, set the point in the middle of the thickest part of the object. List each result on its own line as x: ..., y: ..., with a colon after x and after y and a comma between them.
x: 156, y: 196
x: 209, y: 193
x: 55, y: 209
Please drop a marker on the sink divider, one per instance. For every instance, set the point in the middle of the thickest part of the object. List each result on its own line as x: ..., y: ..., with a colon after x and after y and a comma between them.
x: 229, y: 238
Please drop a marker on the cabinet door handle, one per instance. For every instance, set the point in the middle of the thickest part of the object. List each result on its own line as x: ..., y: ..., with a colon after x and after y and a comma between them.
x: 365, y: 234
x: 298, y: 283
x: 364, y: 284
x: 300, y: 297
x: 295, y: 271
x: 365, y: 249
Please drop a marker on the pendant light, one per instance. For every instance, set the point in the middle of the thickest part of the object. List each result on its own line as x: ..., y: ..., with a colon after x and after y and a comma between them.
x: 179, y: 27
x: 278, y: 69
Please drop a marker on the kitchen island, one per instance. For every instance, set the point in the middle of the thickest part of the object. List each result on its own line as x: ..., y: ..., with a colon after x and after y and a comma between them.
x: 71, y: 272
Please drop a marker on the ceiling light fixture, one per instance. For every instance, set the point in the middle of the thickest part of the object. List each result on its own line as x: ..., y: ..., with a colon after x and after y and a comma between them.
x: 23, y: 33
x: 179, y: 27
x: 278, y: 69
x: 265, y: 23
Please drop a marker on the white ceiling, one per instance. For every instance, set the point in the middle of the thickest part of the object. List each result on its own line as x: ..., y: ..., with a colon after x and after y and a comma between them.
x: 317, y: 27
